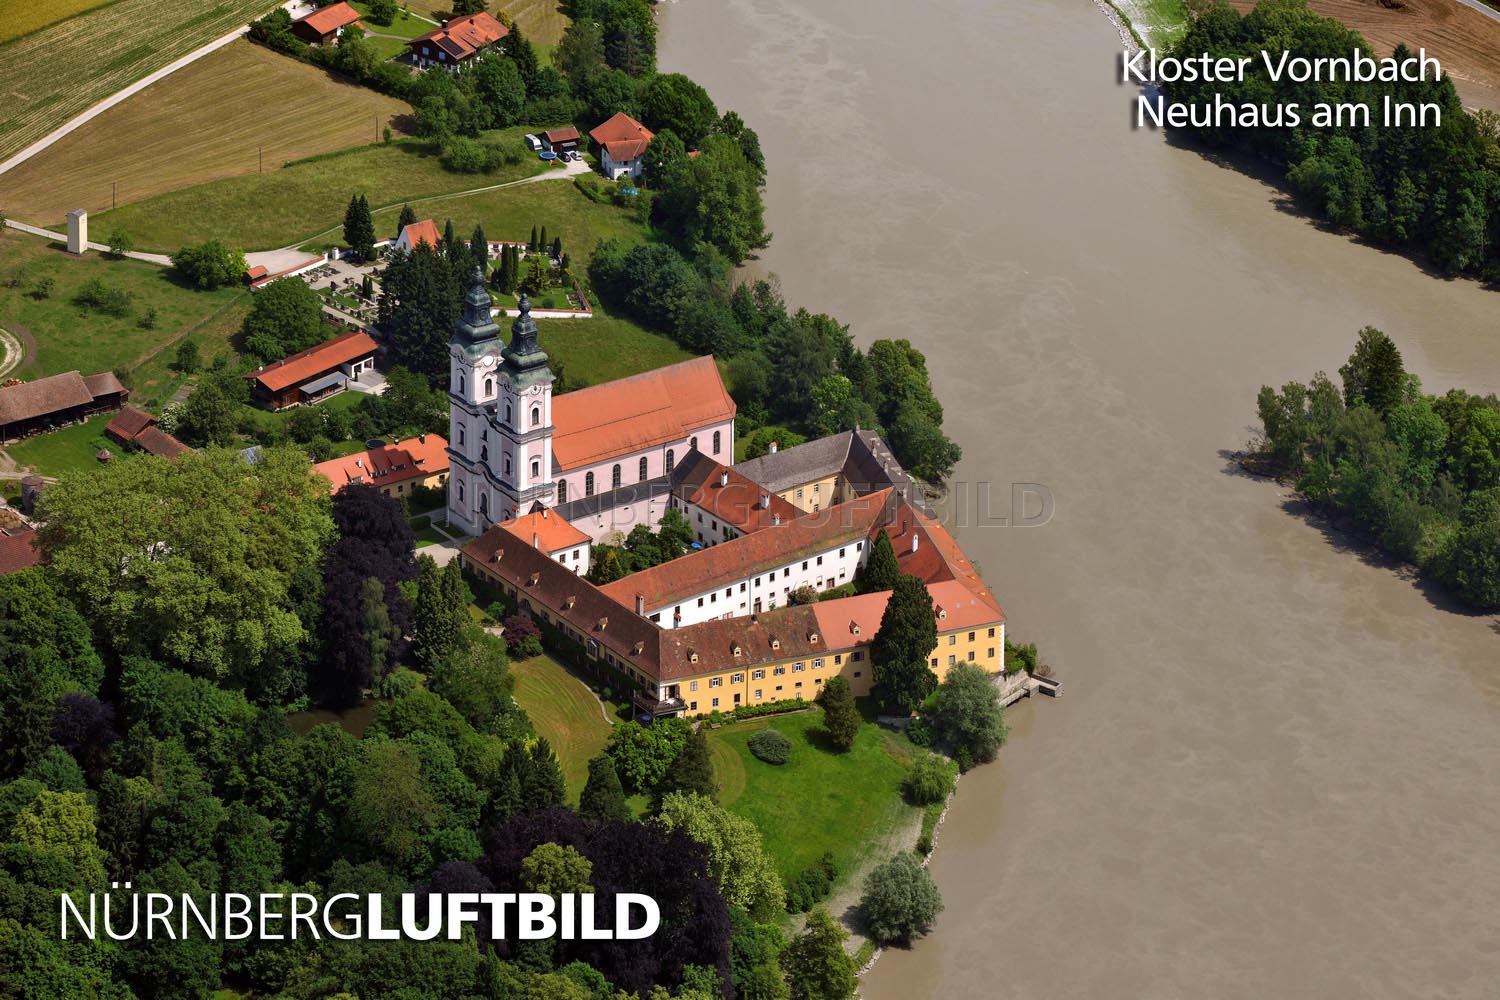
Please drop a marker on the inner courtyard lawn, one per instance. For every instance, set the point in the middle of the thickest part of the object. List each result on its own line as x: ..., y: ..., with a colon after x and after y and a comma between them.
x: 819, y: 800
x: 566, y: 712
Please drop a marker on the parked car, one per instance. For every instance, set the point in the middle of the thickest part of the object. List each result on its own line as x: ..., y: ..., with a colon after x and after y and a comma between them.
x: 575, y: 156
x: 533, y: 143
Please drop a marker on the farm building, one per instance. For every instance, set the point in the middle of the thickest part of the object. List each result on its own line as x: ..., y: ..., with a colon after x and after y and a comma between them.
x: 456, y: 42
x: 561, y: 140
x: 394, y: 469
x: 622, y: 143
x: 18, y: 549
x: 56, y: 401
x: 314, y: 374
x: 425, y: 231
x: 326, y: 24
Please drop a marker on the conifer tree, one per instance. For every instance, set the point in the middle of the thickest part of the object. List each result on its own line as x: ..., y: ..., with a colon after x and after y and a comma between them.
x: 479, y: 247
x: 907, y: 636
x: 839, y: 713
x: 692, y: 771
x: 364, y: 244
x: 407, y: 217
x: 543, y: 787
x: 532, y: 244
x: 881, y: 569
x: 541, y: 244
x: 603, y: 797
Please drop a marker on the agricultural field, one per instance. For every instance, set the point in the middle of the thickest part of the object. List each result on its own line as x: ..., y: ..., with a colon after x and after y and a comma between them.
x: 305, y: 200
x: 205, y: 122
x: 67, y: 336
x: 22, y: 17
x: 819, y: 800
x: 102, y: 51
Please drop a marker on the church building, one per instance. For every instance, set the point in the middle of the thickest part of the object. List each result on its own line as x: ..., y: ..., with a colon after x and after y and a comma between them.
x: 513, y: 449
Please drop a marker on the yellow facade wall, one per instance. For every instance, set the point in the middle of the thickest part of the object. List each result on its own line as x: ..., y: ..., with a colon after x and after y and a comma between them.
x: 817, y: 494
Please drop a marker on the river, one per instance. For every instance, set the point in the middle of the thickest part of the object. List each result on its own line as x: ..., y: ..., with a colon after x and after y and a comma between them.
x: 1274, y: 770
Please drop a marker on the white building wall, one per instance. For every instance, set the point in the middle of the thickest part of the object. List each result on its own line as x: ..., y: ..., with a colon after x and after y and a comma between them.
x: 831, y: 567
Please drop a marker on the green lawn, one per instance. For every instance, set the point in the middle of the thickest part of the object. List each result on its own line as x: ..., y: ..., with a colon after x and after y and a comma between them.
x: 65, y: 335
x: 404, y: 25
x: 68, y: 450
x: 304, y: 200
x: 819, y: 800
x: 604, y: 348
x: 387, y: 48
x: 564, y: 711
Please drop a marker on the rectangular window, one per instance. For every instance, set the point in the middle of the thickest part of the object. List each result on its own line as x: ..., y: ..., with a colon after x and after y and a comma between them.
x: 859, y: 654
x: 857, y: 673
x: 817, y: 663
x: 798, y: 684
x: 757, y: 675
x: 693, y: 706
x: 820, y: 560
x: 779, y: 671
x: 804, y: 564
x: 778, y: 687
x: 971, y: 656
x: 757, y: 694
x: 951, y: 659
x: 971, y: 636
x: 797, y: 668
x: 991, y: 653
x: 700, y: 602
x: 952, y: 639
x: 787, y: 572
x: 992, y: 633
x: 714, y: 682
x: 841, y: 553
x: 716, y: 703
x: 737, y: 679
x: 838, y: 658
x: 692, y: 685
x: 934, y: 661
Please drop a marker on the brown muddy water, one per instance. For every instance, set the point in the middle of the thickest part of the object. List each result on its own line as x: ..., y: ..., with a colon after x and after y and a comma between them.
x: 1276, y: 768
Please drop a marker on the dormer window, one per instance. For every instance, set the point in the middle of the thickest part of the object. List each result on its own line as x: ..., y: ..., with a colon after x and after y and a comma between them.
x: 738, y: 651
x: 812, y: 637
x: 637, y: 649
x: 942, y: 613
x: 568, y: 604
x: 534, y: 579
x: 775, y: 643
x: 854, y: 627
x: 692, y: 656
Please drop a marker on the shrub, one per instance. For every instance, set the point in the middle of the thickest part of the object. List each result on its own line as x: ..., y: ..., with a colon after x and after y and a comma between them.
x: 770, y: 708
x: 920, y: 732
x: 929, y: 780
x: 95, y: 294
x: 771, y: 746
x: 900, y: 901
x: 812, y: 885
x: 468, y: 156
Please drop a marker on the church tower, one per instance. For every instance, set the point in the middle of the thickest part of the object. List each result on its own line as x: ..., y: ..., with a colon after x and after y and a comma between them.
x: 500, y: 417
x: 523, y: 420
x: 473, y: 385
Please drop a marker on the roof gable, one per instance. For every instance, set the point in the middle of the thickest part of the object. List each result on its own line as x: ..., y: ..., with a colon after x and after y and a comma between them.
x: 314, y: 361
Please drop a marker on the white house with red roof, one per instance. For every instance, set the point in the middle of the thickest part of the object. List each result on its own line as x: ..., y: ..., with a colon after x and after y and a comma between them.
x: 458, y: 42
x: 622, y: 143
x: 515, y: 448
x: 425, y: 231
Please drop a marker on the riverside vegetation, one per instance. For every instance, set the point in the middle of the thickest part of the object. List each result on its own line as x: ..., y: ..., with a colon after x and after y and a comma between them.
x: 1418, y: 474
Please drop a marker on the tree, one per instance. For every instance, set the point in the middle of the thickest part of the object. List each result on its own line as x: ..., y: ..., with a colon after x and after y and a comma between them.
x: 580, y: 54
x: 475, y: 679
x: 419, y: 304
x: 907, y: 637
x: 840, y: 714
x: 1374, y: 374
x: 543, y: 787
x: 518, y: 50
x: 900, y: 901
x: 603, y: 798
x: 479, y: 249
x: 929, y: 781
x: 1472, y: 563
x: 285, y: 317
x: 717, y: 202
x: 207, y: 418
x: 691, y: 771
x: 120, y: 244
x: 435, y: 620
x: 815, y: 963
x: 967, y: 713
x: 380, y: 634
x: 642, y: 754
x: 407, y: 217
x: 187, y: 359
x: 673, y: 101
x: 881, y: 570
x: 383, y: 12
x: 736, y: 857
x: 209, y: 265
x: 554, y: 870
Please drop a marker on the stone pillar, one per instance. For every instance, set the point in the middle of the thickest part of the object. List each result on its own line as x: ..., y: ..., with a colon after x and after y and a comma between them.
x: 78, y: 231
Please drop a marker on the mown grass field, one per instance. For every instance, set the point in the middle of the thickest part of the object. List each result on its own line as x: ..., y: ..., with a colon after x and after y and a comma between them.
x: 293, y: 205
x: 543, y: 21
x: 72, y: 449
x: 404, y: 24
x: 67, y: 337
x: 222, y: 116
x: 49, y: 76
x: 22, y: 17
x: 564, y: 711
x: 603, y: 348
x: 819, y: 800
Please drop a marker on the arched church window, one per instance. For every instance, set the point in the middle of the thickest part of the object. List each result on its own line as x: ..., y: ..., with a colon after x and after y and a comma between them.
x: 460, y: 383
x: 615, y: 478
x: 717, y: 436
x: 460, y: 433
x: 588, y: 485
x: 643, y: 470
x: 562, y: 491
x: 693, y: 444
x: 484, y: 454
x: 507, y: 413
x: 536, y: 468
x: 460, y: 492
x: 671, y: 459
x: 484, y: 503
x: 536, y: 416
x: 489, y: 387
x: 507, y: 465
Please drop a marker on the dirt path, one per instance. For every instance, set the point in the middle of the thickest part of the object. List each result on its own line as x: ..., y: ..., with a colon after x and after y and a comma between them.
x: 12, y: 353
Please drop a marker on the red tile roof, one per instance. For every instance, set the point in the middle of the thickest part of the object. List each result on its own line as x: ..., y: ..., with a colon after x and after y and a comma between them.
x: 623, y: 137
x: 632, y: 414
x: 414, y: 458
x: 736, y: 500
x: 546, y: 531
x: 718, y: 565
x: 555, y: 135
x: 155, y: 441
x: 464, y: 36
x: 314, y: 361
x: 18, y: 551
x: 425, y: 231
x: 128, y: 423
x: 55, y: 393
x: 331, y: 18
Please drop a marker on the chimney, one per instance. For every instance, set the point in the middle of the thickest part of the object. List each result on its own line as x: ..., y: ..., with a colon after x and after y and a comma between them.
x: 640, y: 605
x: 723, y: 477
x: 544, y: 513
x: 765, y: 500
x: 421, y: 438
x: 775, y: 520
x: 915, y: 539
x: 536, y: 541
x: 773, y: 447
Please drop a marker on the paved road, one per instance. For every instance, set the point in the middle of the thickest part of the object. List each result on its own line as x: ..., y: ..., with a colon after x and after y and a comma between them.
x: 120, y: 95
x: 150, y: 258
